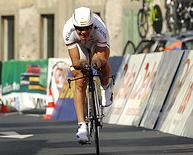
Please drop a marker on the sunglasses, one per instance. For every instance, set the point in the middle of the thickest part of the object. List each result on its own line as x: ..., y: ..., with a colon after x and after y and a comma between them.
x: 86, y: 28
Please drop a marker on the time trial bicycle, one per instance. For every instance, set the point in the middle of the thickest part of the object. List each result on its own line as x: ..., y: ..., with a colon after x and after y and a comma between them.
x: 94, y: 110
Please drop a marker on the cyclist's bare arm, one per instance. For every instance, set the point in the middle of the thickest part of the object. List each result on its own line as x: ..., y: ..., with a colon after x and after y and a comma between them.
x: 77, y: 62
x: 101, y: 53
x: 74, y: 55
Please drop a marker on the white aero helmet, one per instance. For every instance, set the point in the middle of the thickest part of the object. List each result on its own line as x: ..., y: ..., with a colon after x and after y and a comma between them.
x: 82, y: 17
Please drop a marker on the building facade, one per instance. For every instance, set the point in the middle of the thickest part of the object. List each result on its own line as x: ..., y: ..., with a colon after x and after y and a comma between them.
x: 32, y: 29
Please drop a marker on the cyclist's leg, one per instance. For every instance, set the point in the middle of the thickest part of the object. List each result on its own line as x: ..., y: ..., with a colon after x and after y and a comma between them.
x: 79, y: 97
x: 80, y: 106
x: 102, y: 54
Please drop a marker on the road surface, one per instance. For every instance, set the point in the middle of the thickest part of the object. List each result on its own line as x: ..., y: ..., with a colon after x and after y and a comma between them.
x: 24, y: 134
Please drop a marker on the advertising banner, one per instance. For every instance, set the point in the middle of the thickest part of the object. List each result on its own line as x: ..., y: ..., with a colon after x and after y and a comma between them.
x: 182, y: 101
x: 121, y: 73
x: 24, y: 83
x: 165, y: 75
x: 23, y: 101
x: 58, y: 74
x: 178, y: 82
x: 116, y: 87
x: 24, y: 76
x: 174, y: 90
x: 141, y: 91
x: 125, y: 86
x: 187, y: 130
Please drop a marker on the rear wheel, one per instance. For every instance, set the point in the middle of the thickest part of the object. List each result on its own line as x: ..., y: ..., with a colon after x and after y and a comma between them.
x: 142, y: 23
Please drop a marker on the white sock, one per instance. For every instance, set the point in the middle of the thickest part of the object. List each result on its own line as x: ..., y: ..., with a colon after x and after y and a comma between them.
x: 81, y: 124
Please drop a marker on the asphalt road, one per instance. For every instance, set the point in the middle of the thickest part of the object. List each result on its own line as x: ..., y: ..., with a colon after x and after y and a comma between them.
x: 31, y: 135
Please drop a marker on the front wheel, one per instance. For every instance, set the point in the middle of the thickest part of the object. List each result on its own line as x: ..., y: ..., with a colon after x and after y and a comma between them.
x: 142, y: 23
x: 158, y: 19
x: 94, y: 110
x: 96, y: 134
x: 97, y: 116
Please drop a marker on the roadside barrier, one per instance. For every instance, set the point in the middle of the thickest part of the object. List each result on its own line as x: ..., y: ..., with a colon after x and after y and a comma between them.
x: 165, y: 75
x: 126, y: 83
x: 138, y: 97
x: 161, y: 97
x: 179, y: 103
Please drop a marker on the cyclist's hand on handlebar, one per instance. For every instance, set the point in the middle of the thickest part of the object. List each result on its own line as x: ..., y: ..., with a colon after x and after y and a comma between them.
x: 83, y: 63
x: 97, y: 63
x: 79, y: 65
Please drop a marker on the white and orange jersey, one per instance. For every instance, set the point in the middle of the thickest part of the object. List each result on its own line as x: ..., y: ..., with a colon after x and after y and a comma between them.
x: 98, y: 36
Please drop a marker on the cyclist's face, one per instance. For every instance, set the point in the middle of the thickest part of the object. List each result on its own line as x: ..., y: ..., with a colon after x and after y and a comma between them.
x: 83, y: 32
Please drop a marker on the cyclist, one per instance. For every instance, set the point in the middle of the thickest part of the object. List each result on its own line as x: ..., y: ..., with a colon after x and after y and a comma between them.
x: 84, y: 32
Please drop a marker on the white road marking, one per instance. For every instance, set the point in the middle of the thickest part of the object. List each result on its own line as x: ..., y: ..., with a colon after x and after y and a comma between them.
x: 13, y: 134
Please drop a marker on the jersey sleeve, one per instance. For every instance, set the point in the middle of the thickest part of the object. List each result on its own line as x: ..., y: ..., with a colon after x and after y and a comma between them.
x: 68, y: 36
x: 101, y: 32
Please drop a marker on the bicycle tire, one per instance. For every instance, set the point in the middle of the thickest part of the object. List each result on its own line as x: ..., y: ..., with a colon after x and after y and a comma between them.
x: 158, y: 21
x: 96, y: 132
x: 89, y: 116
x: 142, y: 23
x: 129, y: 45
x: 97, y: 123
x: 171, y: 19
x: 92, y: 100
x: 179, y: 16
x: 190, y: 25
